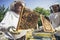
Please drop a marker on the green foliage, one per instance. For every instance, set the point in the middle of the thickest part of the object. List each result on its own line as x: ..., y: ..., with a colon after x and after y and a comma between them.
x: 3, y: 10
x: 41, y: 11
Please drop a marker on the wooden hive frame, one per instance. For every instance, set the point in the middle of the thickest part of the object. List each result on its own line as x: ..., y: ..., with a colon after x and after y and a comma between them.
x: 46, y: 24
x: 28, y: 19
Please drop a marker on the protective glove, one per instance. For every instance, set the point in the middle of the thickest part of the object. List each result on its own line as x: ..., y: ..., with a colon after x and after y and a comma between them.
x: 12, y: 30
x: 3, y: 29
x: 41, y: 29
x: 57, y: 29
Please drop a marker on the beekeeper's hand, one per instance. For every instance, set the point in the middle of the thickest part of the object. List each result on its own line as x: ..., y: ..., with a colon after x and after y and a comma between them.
x: 12, y: 29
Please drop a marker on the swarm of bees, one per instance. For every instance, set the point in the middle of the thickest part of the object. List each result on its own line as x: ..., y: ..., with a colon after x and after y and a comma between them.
x: 29, y: 19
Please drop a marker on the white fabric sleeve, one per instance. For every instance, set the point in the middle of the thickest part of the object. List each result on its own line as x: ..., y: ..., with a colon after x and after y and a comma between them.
x: 5, y: 22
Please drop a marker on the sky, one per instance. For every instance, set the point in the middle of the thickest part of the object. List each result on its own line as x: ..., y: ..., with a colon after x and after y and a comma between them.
x: 32, y: 3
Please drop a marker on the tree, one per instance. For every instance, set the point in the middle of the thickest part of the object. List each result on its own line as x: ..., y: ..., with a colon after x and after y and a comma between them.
x: 3, y: 10
x: 43, y: 12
